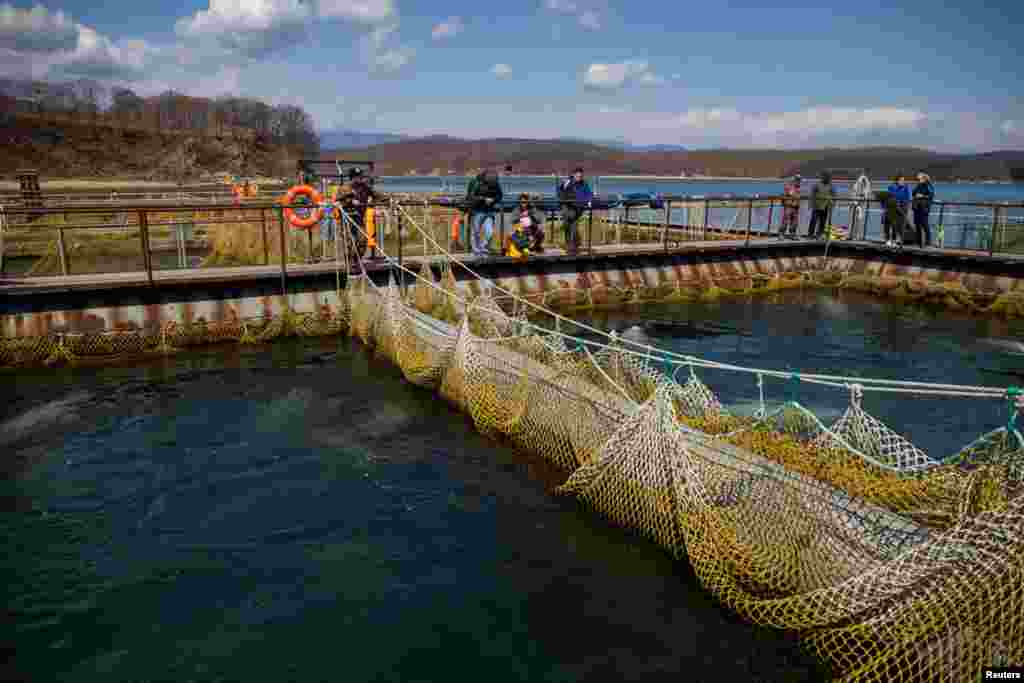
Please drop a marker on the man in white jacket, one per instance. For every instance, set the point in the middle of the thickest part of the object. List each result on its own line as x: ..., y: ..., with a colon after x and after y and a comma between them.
x: 861, y: 191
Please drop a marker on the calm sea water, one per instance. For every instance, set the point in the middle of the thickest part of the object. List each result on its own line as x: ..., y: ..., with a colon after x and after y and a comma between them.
x: 613, y: 186
x: 299, y: 512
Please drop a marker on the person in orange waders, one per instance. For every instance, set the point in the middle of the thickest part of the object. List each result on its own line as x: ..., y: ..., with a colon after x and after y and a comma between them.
x: 456, y: 246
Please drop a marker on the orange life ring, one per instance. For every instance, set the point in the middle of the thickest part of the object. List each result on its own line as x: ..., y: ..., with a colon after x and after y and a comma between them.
x: 314, y: 217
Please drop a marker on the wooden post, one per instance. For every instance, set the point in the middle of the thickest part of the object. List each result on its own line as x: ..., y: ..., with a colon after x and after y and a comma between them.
x: 668, y: 221
x: 266, y: 248
x: 147, y: 257
x: 940, y: 233
x: 401, y: 273
x: 501, y: 230
x: 750, y: 219
x: 707, y: 212
x: 995, y: 228
x: 590, y: 230
x: 284, y: 255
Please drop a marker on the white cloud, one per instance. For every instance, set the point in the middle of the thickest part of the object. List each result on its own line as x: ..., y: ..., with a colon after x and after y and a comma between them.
x: 651, y: 79
x: 37, y: 43
x: 589, y: 19
x: 380, y: 56
x: 366, y: 11
x: 447, y: 29
x: 563, y: 6
x: 615, y: 76
x: 36, y: 29
x: 501, y: 70
x: 250, y: 27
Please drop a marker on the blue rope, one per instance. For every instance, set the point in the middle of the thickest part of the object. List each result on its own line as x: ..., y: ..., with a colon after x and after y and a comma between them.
x: 792, y: 387
x: 1012, y: 394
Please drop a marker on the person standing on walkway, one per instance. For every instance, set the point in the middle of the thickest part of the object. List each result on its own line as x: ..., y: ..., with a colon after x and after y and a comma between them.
x: 900, y: 193
x: 924, y: 195
x: 363, y: 195
x: 790, y: 208
x: 822, y: 196
x: 576, y: 196
x: 861, y: 191
x: 483, y: 196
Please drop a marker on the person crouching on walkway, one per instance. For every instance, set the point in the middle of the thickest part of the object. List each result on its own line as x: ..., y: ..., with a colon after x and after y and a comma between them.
x: 924, y: 195
x: 822, y: 196
x: 790, y: 208
x: 517, y: 245
x: 531, y: 226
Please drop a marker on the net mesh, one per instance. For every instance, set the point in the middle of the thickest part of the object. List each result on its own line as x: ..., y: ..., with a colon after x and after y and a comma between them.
x: 888, y: 563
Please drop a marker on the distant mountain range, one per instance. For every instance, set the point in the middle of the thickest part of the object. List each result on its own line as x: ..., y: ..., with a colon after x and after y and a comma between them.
x: 354, y: 139
x: 442, y: 155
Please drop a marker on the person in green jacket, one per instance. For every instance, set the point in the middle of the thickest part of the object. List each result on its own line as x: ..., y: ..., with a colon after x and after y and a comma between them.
x: 822, y: 196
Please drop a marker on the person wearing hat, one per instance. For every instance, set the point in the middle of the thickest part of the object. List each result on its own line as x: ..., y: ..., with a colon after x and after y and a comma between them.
x: 790, y: 208
x: 822, y: 196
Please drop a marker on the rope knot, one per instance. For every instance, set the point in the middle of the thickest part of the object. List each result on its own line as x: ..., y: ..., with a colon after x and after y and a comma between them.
x: 856, y: 394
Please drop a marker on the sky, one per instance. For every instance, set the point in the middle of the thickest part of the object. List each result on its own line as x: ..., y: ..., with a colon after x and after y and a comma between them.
x: 703, y: 75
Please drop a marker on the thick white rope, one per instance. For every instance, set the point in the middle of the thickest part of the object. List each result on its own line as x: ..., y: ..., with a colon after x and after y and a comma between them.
x: 826, y: 380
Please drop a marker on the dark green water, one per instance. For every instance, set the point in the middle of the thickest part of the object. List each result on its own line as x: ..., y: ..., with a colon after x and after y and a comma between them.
x: 299, y: 513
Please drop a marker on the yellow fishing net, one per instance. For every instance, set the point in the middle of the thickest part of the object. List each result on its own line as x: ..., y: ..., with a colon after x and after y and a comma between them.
x: 890, y: 565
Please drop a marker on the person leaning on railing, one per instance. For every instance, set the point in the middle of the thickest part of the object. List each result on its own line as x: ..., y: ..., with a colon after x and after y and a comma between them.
x: 790, y: 208
x: 822, y: 196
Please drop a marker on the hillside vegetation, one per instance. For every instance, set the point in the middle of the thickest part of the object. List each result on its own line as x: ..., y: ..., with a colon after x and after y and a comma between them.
x: 84, y: 130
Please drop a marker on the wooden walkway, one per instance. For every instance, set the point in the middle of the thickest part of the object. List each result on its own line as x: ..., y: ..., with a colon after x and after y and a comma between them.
x: 21, y: 285
x: 25, y: 286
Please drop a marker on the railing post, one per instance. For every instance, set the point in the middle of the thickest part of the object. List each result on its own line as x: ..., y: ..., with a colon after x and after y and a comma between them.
x: 940, y: 233
x: 62, y: 250
x: 284, y: 255
x: 771, y: 209
x: 707, y: 213
x: 263, y: 225
x: 147, y: 257
x: 590, y: 229
x: 501, y: 230
x: 750, y: 219
x: 3, y: 228
x: 401, y: 273
x: 995, y: 227
x: 668, y: 221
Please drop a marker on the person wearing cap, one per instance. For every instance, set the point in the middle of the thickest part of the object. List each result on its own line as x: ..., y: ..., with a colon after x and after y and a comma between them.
x: 576, y: 196
x: 790, y: 208
x: 822, y: 196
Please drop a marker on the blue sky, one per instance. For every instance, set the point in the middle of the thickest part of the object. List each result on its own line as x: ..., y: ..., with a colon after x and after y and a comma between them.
x: 736, y: 74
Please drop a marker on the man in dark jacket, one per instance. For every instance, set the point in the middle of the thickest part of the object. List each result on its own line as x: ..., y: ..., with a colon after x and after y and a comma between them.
x: 822, y: 196
x: 483, y: 196
x: 924, y: 195
x: 358, y: 197
x: 575, y: 195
